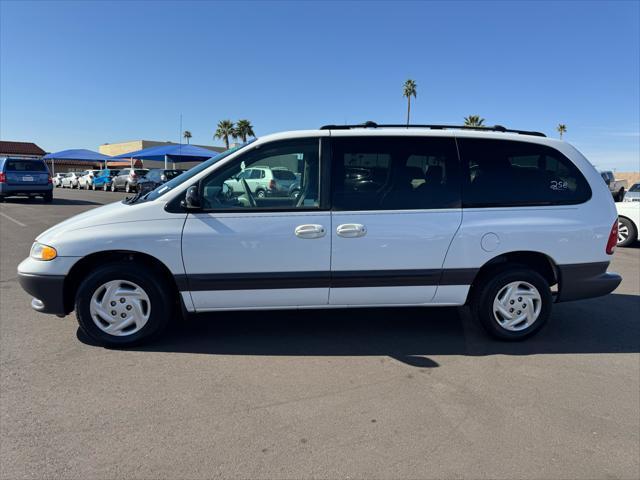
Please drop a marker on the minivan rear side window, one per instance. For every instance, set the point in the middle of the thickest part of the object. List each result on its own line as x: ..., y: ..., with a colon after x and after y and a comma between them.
x: 394, y: 173
x: 499, y: 173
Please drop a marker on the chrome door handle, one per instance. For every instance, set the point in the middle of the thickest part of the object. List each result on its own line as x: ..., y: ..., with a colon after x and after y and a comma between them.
x: 310, y: 231
x: 351, y: 230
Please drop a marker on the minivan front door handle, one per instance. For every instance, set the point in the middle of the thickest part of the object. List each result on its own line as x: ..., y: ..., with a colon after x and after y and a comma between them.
x: 351, y: 230
x: 310, y: 231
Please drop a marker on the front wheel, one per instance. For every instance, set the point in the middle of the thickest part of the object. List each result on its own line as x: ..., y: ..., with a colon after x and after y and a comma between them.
x: 113, y: 186
x: 93, y: 186
x: 512, y: 303
x: 123, y: 304
x: 260, y: 193
x: 105, y: 187
x: 127, y: 187
x: 627, y: 232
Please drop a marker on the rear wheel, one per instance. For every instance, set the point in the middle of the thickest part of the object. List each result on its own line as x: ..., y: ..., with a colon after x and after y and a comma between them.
x: 513, y: 303
x: 123, y: 304
x: 627, y: 232
x: 48, y: 197
x: 113, y: 187
x: 127, y: 187
x: 260, y: 193
x: 104, y: 187
x: 93, y: 186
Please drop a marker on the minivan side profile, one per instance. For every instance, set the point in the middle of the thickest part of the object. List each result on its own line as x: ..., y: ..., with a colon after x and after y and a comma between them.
x: 506, y: 222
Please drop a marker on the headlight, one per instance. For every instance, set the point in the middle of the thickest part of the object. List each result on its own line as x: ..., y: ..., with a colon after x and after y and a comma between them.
x: 42, y: 252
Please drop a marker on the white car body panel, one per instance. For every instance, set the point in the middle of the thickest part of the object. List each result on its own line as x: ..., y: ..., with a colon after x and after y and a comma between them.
x: 630, y: 210
x: 208, y: 244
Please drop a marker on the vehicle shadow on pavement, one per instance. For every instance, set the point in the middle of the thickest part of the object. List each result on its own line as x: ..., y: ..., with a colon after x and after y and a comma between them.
x: 409, y: 335
x: 56, y: 201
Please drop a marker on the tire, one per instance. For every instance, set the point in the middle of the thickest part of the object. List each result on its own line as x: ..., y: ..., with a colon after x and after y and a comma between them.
x: 148, y: 296
x: 127, y: 187
x: 627, y: 232
x: 93, y: 186
x: 295, y: 193
x: 260, y: 193
x: 495, y: 287
x: 48, y: 197
x: 104, y: 187
x: 113, y: 187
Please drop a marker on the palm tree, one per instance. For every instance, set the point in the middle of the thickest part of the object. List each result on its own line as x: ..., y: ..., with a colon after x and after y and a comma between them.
x: 187, y: 135
x: 243, y: 130
x: 474, y: 121
x: 224, y: 131
x: 409, y: 90
x: 562, y: 129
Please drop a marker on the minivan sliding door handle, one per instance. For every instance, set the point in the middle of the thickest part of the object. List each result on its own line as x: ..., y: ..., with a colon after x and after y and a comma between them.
x: 310, y: 231
x: 351, y: 230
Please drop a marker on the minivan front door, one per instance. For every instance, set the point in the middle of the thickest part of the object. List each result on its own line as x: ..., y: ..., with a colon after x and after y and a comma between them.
x: 245, y: 251
x: 396, y: 208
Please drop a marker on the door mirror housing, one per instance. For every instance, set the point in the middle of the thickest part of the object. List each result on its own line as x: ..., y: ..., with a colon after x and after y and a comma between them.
x: 192, y: 198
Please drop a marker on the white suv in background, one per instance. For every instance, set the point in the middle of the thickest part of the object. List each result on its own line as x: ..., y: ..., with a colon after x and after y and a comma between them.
x: 263, y: 181
x: 507, y: 222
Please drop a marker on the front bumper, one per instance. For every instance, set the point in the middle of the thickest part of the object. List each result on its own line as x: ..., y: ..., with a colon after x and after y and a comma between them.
x: 586, y: 280
x: 47, y: 290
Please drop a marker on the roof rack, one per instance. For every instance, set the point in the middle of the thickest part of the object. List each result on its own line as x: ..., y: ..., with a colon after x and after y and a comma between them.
x: 370, y: 124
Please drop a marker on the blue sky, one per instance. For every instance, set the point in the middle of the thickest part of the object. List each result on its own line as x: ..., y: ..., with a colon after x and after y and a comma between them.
x: 81, y: 73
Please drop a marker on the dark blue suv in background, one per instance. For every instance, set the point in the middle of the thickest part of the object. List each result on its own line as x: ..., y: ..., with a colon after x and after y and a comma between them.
x: 23, y: 176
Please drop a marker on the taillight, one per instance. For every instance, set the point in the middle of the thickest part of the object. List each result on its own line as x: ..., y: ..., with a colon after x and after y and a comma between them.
x: 3, y: 178
x: 272, y: 184
x: 50, y: 180
x: 613, y: 238
x: 134, y: 174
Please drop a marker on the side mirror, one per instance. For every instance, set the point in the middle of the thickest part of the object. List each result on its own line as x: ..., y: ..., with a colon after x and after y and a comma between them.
x: 192, y: 198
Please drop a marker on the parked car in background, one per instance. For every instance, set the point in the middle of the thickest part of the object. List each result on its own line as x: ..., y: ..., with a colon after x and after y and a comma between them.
x: 628, y: 222
x: 102, y: 181
x: 86, y: 180
x: 24, y: 177
x: 266, y: 181
x: 616, y: 187
x: 57, y: 179
x: 128, y: 179
x: 633, y: 194
x: 532, y: 226
x: 71, y: 180
x: 156, y: 177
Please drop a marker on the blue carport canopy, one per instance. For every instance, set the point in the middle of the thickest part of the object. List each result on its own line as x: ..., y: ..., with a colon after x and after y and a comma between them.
x: 76, y: 155
x: 175, y: 153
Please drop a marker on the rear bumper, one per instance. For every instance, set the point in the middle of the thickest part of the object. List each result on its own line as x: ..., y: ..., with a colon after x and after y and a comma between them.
x: 47, y: 290
x: 7, y: 189
x: 586, y: 280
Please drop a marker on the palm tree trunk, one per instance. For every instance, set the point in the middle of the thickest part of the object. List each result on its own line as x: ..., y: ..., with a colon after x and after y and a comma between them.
x: 226, y: 141
x: 408, y: 109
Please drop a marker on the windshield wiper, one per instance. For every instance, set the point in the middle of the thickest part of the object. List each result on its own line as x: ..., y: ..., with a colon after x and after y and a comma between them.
x: 133, y: 199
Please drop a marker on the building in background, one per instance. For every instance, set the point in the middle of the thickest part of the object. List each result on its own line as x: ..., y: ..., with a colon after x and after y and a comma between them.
x: 20, y: 150
x: 114, y: 149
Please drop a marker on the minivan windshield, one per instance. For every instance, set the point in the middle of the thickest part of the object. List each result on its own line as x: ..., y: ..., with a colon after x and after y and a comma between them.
x: 192, y: 172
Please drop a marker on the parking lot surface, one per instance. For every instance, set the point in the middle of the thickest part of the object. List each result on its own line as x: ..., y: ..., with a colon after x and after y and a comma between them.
x: 371, y: 393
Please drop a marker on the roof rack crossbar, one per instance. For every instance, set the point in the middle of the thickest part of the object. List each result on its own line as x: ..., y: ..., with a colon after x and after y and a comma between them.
x: 495, y: 128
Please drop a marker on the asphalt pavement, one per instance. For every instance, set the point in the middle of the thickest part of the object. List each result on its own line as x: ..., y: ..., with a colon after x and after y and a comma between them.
x: 370, y: 393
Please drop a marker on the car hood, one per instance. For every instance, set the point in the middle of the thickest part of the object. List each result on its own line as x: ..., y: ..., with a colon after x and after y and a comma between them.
x: 112, y: 213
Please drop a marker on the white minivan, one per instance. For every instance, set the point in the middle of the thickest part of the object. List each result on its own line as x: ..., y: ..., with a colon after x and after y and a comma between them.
x: 505, y: 221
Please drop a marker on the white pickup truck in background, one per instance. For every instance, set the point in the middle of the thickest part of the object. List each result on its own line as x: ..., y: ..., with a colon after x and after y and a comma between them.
x: 616, y: 187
